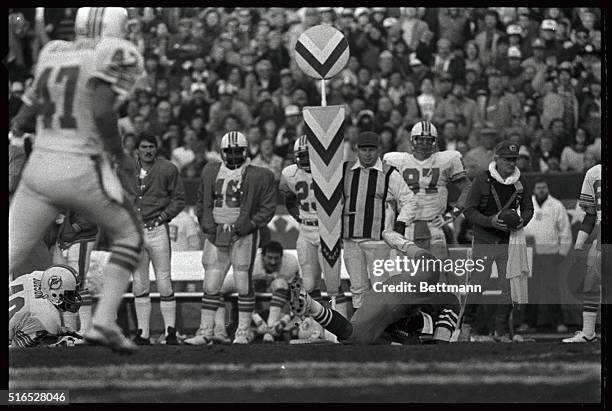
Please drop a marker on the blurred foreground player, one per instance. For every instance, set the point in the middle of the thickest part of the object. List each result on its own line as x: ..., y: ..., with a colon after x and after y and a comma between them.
x: 385, y: 314
x: 73, y: 95
x: 590, y: 201
x: 36, y: 302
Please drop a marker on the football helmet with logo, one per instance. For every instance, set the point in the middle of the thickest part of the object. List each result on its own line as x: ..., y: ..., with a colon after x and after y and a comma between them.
x: 300, y: 153
x: 59, y: 284
x: 96, y: 22
x: 234, y: 147
x: 424, y: 138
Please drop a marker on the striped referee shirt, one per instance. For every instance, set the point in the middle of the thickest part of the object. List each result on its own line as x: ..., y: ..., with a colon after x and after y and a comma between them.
x: 367, y: 192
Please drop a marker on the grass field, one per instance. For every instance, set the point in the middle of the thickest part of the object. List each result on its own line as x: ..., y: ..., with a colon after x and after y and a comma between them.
x: 460, y: 372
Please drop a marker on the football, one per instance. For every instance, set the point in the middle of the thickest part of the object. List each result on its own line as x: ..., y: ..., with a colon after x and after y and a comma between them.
x: 510, y: 218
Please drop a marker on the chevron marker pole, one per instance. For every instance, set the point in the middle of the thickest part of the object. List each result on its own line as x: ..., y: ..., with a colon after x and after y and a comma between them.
x: 322, y: 52
x: 325, y: 136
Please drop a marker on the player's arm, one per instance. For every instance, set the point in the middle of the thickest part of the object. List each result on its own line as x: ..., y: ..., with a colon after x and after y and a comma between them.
x: 403, y: 196
x: 586, y: 228
x: 526, y: 206
x: 588, y: 203
x: 205, y: 199
x: 291, y: 201
x: 267, y: 204
x: 106, y: 117
x: 176, y: 192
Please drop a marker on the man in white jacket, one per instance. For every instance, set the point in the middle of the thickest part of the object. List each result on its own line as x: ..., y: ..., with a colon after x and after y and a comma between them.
x: 551, y: 230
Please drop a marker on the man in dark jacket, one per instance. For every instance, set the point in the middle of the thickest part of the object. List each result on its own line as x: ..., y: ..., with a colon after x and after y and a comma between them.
x: 499, y: 187
x: 158, y: 196
x: 235, y: 200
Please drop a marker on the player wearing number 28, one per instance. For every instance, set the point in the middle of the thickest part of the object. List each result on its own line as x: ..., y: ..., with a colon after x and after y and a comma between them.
x: 428, y: 172
x: 235, y: 200
x: 74, y: 93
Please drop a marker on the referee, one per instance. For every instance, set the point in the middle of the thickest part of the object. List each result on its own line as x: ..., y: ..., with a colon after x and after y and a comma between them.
x: 369, y: 188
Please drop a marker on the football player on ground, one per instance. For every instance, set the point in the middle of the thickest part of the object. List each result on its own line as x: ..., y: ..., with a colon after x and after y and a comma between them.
x: 235, y: 200
x: 36, y: 302
x: 273, y: 270
x: 385, y: 314
x: 428, y: 172
x: 74, y: 95
x: 297, y: 187
x: 590, y: 201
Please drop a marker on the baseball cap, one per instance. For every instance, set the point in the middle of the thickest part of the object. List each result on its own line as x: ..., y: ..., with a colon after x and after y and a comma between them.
x: 488, y: 129
x: 589, y: 49
x: 566, y: 66
x: 538, y: 44
x: 368, y: 139
x: 361, y: 10
x: 549, y: 24
x: 514, y: 29
x: 364, y: 113
x: 389, y: 22
x: 523, y: 11
x: 347, y: 11
x: 507, y: 149
x: 386, y: 54
x: 324, y: 9
x: 514, y: 52
x: 285, y: 72
x: 292, y: 110
x: 524, y: 152
x: 379, y: 9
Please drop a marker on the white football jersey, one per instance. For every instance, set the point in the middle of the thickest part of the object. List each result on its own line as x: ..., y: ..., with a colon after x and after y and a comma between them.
x: 298, y: 182
x: 30, y: 312
x: 288, y: 268
x: 228, y: 195
x: 428, y: 178
x: 590, y: 195
x: 63, y: 92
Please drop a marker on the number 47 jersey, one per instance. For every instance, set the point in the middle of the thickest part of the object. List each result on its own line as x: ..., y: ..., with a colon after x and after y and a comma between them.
x: 63, y: 92
x: 428, y: 179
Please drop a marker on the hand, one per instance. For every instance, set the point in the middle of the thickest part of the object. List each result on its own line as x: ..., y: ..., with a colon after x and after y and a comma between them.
x: 520, y: 226
x: 498, y: 224
x: 439, y: 221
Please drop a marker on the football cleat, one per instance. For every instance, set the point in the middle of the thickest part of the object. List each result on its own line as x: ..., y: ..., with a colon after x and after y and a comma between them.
x: 580, y: 337
x: 242, y: 336
x: 202, y: 337
x: 220, y: 336
x: 140, y: 340
x: 171, y: 338
x: 268, y: 338
x: 298, y: 301
x: 110, y: 337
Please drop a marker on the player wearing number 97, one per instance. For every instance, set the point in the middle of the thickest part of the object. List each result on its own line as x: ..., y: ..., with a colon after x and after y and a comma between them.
x: 428, y: 172
x: 74, y: 96
x: 35, y: 303
x: 297, y: 187
x: 235, y: 199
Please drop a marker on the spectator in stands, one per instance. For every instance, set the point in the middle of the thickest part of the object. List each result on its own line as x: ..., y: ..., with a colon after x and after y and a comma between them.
x: 459, y: 108
x: 183, y: 155
x: 498, y: 107
x: 573, y: 157
x: 550, y: 229
x: 130, y: 144
x: 412, y: 27
x: 227, y: 104
x: 488, y: 38
x: 453, y: 25
x: 546, y: 156
x: 126, y: 124
x: 479, y: 158
x: 291, y: 129
x: 426, y: 100
x: 538, y: 60
x: 267, y: 159
x: 15, y: 98
x: 161, y: 120
x: 590, y: 109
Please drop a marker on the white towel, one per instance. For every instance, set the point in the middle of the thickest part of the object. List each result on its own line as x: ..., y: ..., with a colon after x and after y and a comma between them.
x: 517, y: 270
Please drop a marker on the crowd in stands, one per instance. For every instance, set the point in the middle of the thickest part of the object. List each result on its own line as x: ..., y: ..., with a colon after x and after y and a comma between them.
x: 530, y: 75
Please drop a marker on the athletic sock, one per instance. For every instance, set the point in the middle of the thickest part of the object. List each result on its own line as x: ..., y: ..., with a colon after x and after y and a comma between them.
x: 220, y: 314
x: 143, y: 314
x: 333, y: 322
x: 246, y: 305
x: 116, y: 280
x: 589, y: 318
x: 85, y: 310
x: 445, y: 325
x: 209, y: 308
x: 279, y: 299
x: 167, y: 305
